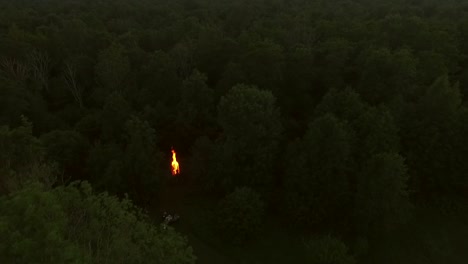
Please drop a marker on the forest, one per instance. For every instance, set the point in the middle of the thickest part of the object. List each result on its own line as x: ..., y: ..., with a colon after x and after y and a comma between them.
x: 305, y: 131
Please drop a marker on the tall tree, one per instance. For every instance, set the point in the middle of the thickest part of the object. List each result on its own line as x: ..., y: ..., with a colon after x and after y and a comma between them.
x: 14, y: 101
x: 22, y: 158
x: 317, y: 185
x: 376, y: 131
x: 387, y: 74
x: 141, y: 161
x: 240, y: 215
x: 39, y: 225
x: 68, y: 148
x: 115, y: 113
x: 73, y: 224
x: 263, y: 62
x: 251, y: 130
x: 430, y: 139
x: 382, y: 199
x: 345, y: 104
x: 111, y: 70
x: 196, y: 107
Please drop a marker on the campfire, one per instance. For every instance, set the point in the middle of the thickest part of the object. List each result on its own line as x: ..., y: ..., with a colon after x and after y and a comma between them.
x: 175, y: 164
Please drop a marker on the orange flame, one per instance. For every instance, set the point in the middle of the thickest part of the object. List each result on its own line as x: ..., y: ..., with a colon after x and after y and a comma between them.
x: 175, y: 164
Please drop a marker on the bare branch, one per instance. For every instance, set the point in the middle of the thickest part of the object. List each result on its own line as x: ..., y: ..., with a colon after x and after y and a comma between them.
x: 72, y: 85
x: 14, y: 69
x: 40, y: 62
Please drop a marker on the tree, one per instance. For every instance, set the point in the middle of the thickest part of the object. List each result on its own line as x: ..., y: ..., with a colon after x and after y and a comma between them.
x: 72, y: 84
x: 14, y: 101
x: 382, y: 199
x: 104, y: 167
x: 246, y: 108
x: 32, y: 227
x: 196, y: 106
x: 182, y: 56
x: 386, y: 75
x: 68, y: 148
x: 327, y: 250
x: 14, y: 69
x: 116, y: 231
x: 200, y: 161
x: 72, y: 224
x: 213, y: 52
x: 251, y: 126
x: 317, y: 184
x: 21, y: 158
x: 430, y: 139
x: 111, y: 69
x: 159, y: 81
x: 345, y: 104
x: 40, y: 67
x: 376, y: 132
x: 263, y: 61
x: 334, y: 55
x: 232, y: 75
x: 398, y: 31
x: 115, y: 113
x: 298, y: 95
x: 240, y: 215
x: 74, y: 37
x: 133, y: 165
x: 462, y: 150
x: 141, y: 160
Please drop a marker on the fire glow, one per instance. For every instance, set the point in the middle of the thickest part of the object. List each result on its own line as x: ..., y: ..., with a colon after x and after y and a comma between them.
x: 175, y: 164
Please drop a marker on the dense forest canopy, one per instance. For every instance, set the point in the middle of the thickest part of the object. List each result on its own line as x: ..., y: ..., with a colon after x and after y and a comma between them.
x: 346, y: 121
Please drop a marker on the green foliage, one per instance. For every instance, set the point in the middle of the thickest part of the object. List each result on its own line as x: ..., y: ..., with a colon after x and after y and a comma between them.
x: 22, y: 159
x: 141, y: 161
x: 111, y: 69
x: 240, y: 215
x: 327, y: 250
x: 67, y: 148
x: 262, y: 62
x: 18, y: 146
x: 252, y: 127
x: 196, y: 107
x: 376, y: 132
x: 105, y: 168
x: 159, y: 80
x: 387, y: 74
x: 200, y: 161
x: 462, y: 149
x: 246, y: 108
x: 321, y: 105
x: 232, y: 75
x: 32, y: 227
x: 344, y: 104
x: 317, y: 187
x: 115, y: 231
x: 134, y: 166
x: 441, y: 99
x: 432, y: 137
x: 334, y: 53
x: 115, y: 113
x: 382, y: 201
x: 13, y: 101
x: 72, y: 224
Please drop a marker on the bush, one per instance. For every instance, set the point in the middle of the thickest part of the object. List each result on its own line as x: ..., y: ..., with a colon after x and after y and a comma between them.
x: 240, y: 215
